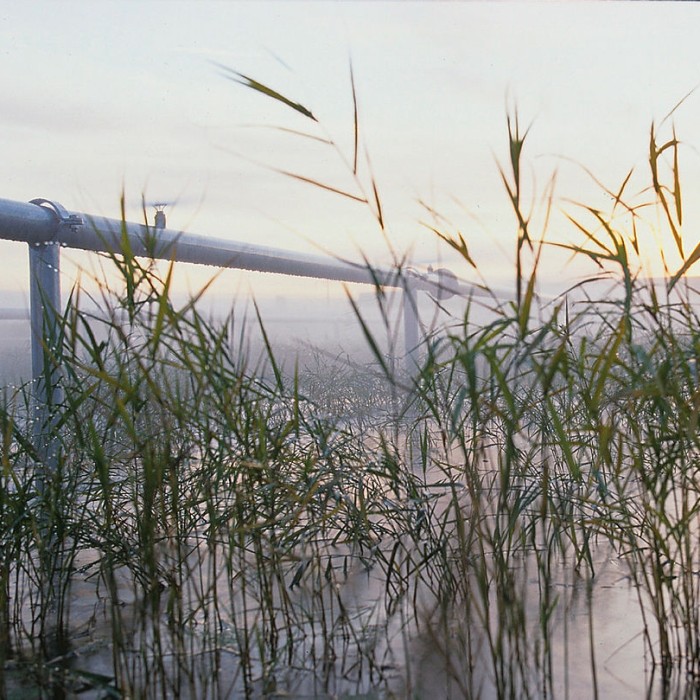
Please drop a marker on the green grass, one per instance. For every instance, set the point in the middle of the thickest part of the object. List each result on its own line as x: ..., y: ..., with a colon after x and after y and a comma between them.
x: 215, y: 523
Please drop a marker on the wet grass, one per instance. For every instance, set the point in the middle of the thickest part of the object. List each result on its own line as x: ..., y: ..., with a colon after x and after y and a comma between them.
x: 192, y: 519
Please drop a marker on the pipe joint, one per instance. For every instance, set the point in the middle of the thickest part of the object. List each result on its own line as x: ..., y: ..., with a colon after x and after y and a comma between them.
x: 62, y: 217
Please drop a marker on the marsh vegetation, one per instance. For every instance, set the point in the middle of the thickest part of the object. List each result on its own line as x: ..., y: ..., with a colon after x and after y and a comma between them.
x: 193, y: 519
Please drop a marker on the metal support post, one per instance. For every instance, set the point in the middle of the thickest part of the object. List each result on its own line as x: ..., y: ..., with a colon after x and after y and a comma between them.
x: 45, y: 305
x: 411, y: 330
x: 412, y: 342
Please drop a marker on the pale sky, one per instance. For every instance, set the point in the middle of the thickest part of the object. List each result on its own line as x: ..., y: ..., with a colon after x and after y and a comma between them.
x: 100, y: 96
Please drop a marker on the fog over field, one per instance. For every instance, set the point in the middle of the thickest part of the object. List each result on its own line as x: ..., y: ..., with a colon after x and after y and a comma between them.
x: 297, y: 327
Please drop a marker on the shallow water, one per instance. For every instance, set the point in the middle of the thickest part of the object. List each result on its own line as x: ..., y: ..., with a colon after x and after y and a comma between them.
x: 597, y: 645
x: 336, y: 635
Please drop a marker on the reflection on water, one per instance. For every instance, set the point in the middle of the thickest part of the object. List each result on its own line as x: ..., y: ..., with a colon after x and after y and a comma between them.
x: 336, y: 636
x: 246, y: 586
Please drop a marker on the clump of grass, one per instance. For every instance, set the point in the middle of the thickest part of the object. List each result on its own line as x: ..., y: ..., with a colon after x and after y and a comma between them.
x: 223, y: 525
x: 215, y: 513
x: 551, y: 431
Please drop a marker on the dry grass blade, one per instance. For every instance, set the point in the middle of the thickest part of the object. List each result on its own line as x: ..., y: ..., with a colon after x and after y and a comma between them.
x: 355, y: 121
x: 687, y: 264
x: 678, y: 104
x: 322, y: 185
x: 525, y: 307
x: 455, y: 242
x: 523, y: 223
x: 516, y: 142
x: 655, y: 152
x: 253, y: 84
x: 677, y: 182
x: 293, y: 132
x: 378, y: 204
x: 615, y: 195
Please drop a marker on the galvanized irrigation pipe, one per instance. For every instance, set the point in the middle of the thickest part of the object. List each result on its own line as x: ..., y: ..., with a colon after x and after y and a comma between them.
x: 47, y: 226
x: 45, y: 308
x: 43, y: 222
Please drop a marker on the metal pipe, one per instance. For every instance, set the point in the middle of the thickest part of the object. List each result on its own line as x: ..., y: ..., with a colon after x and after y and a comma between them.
x: 21, y: 221
x: 47, y: 226
x: 37, y: 223
x: 45, y: 306
x: 42, y: 221
x: 411, y: 330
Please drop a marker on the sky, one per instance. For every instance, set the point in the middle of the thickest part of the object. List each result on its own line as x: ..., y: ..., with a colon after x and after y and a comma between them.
x: 101, y: 98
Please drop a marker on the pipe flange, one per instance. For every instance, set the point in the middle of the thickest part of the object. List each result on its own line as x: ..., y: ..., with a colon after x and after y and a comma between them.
x: 441, y: 284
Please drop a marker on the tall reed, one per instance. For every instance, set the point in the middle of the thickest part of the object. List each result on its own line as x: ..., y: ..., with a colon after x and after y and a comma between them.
x: 219, y: 524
